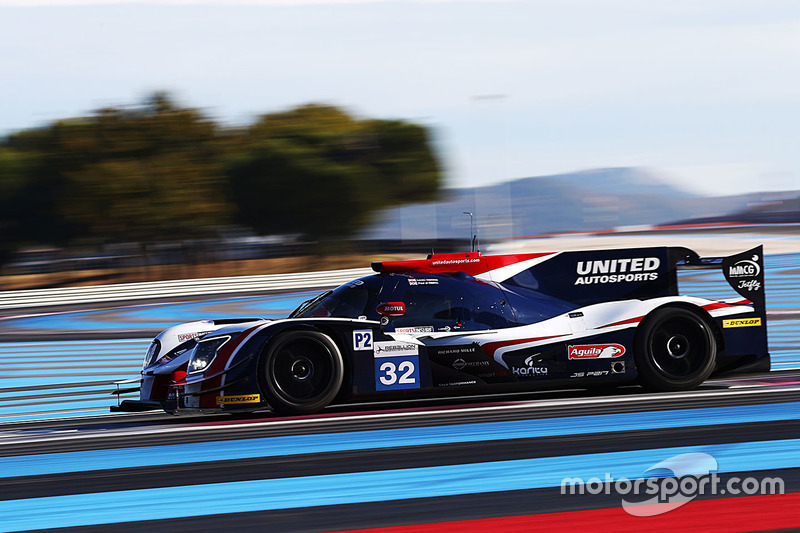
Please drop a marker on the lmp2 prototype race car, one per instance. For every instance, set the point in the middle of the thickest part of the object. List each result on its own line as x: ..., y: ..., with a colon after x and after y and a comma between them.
x: 468, y: 323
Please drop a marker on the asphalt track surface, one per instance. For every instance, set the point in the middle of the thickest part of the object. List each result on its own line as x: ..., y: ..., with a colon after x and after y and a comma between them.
x: 406, y: 465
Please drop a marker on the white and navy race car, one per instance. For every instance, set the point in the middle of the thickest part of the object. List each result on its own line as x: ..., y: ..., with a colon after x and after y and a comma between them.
x: 466, y: 323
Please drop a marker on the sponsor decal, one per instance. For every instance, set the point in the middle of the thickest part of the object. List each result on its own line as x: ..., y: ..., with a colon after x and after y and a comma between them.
x: 472, y: 349
x: 624, y: 270
x: 458, y: 383
x: 454, y: 261
x: 749, y: 285
x: 589, y: 374
x: 362, y: 340
x: 745, y: 273
x: 577, y: 314
x: 423, y: 281
x: 391, y: 309
x: 248, y: 398
x: 530, y: 368
x: 595, y: 351
x: 415, y: 329
x: 741, y: 322
x: 460, y: 364
x: 391, y: 349
x: 183, y: 337
x: 746, y: 268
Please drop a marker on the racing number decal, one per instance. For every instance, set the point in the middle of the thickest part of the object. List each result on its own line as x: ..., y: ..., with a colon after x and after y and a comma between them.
x: 397, y: 372
x: 362, y: 340
x: 404, y: 373
x: 396, y: 366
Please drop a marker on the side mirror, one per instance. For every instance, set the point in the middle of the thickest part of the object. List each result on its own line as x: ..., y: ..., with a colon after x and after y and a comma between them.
x: 390, y: 309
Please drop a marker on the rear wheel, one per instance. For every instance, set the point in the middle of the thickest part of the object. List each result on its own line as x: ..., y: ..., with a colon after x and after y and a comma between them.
x: 675, y: 350
x: 303, y: 371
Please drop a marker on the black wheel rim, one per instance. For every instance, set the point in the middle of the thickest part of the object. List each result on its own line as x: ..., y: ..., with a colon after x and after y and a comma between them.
x: 301, y: 371
x: 679, y: 347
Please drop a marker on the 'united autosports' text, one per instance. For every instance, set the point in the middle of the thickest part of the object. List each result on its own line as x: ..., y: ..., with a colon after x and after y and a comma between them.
x: 617, y: 270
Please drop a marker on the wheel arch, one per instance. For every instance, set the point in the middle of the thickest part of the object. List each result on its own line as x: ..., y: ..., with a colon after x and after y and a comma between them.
x: 289, y: 328
x: 706, y: 316
x: 650, y: 373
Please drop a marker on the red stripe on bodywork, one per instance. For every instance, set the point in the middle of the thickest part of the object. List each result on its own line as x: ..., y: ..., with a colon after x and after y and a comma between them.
x: 225, y: 353
x: 473, y: 263
x: 623, y: 322
x: 747, y: 513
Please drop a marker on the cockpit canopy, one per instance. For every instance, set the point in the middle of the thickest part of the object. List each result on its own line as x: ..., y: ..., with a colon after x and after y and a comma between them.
x: 435, y: 302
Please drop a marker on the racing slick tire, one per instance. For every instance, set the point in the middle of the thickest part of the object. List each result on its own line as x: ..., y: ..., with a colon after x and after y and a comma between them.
x: 302, y: 372
x: 676, y: 349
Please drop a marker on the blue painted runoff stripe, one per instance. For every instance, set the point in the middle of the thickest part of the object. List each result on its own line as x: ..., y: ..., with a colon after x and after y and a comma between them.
x: 55, y: 463
x: 57, y: 413
x: 98, y: 402
x: 384, y: 485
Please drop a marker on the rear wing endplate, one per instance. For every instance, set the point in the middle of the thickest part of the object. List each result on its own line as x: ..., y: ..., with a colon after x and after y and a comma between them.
x: 744, y: 271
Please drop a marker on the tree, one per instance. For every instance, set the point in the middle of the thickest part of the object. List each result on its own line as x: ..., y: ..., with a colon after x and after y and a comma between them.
x: 317, y: 171
x: 145, y: 173
x: 159, y: 171
x: 17, y: 199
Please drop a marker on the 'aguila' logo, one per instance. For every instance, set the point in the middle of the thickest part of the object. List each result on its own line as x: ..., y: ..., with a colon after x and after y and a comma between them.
x: 595, y: 351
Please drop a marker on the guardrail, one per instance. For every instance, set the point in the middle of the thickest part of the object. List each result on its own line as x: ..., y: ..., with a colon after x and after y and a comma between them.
x: 22, y: 299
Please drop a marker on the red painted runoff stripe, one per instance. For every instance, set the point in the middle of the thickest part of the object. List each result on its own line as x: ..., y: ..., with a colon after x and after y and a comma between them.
x: 747, y: 513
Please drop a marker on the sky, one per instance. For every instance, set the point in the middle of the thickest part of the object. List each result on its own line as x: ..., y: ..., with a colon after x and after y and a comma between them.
x: 703, y: 93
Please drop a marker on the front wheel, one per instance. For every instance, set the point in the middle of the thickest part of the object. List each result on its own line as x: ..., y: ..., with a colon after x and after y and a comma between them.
x: 675, y: 350
x: 302, y: 372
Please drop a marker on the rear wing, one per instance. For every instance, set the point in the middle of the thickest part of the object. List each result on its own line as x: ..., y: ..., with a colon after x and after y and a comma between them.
x: 744, y: 271
x: 595, y: 276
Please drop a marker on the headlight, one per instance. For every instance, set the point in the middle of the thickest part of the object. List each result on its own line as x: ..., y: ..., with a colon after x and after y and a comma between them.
x: 205, y: 352
x: 152, y: 353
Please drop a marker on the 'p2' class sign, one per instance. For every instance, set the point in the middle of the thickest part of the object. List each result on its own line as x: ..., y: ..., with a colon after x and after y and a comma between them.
x: 396, y: 366
x: 362, y: 340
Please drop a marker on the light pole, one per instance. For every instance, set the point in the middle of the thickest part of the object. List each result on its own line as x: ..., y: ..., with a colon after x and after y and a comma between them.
x: 472, y: 236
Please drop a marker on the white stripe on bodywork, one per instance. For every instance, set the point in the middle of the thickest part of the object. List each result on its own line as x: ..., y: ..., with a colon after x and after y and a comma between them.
x: 509, y: 271
x: 597, y: 319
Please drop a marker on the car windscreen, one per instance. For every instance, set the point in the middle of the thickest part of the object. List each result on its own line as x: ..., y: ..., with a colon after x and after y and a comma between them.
x: 530, y: 306
x: 351, y: 300
x: 444, y: 302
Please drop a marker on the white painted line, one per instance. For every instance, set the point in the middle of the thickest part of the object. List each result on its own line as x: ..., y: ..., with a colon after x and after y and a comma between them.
x: 9, y: 437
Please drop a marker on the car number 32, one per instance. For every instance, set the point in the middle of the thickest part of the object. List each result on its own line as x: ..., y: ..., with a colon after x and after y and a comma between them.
x: 397, y: 373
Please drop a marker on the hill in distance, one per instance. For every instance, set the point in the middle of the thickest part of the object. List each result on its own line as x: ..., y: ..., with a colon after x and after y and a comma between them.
x: 586, y: 201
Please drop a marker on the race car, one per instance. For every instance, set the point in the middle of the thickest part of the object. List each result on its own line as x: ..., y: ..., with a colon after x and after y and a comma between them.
x: 466, y: 323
